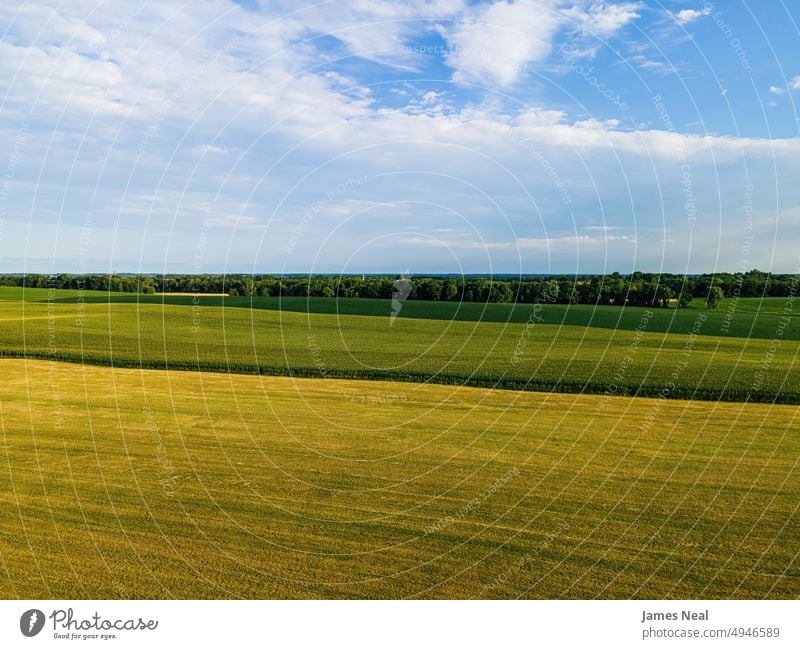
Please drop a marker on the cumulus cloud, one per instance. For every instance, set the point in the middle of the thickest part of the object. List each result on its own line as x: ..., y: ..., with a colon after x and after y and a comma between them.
x: 603, y: 19
x: 372, y: 29
x: 497, y: 44
x: 206, y: 113
x: 686, y: 16
x: 207, y: 76
x: 494, y: 43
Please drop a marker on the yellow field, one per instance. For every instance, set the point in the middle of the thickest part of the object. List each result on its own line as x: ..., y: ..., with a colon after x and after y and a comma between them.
x: 143, y: 484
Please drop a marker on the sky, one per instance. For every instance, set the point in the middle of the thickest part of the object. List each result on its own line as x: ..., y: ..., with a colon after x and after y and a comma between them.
x: 425, y: 136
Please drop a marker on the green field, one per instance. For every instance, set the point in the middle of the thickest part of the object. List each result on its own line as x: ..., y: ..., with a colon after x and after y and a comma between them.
x: 151, y: 484
x: 742, y: 318
x: 528, y: 355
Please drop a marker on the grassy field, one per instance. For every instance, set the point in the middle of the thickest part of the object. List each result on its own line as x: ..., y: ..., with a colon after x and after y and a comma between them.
x: 742, y: 318
x: 532, y: 355
x: 151, y: 484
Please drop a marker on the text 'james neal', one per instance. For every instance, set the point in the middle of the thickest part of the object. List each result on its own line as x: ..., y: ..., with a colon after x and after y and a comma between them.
x: 650, y: 616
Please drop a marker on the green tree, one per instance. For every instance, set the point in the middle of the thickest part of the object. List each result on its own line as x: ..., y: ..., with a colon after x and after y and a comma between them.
x: 147, y: 285
x: 663, y: 295
x: 715, y: 294
x: 450, y: 290
x: 249, y: 286
x: 550, y: 291
x: 685, y: 299
x: 501, y: 292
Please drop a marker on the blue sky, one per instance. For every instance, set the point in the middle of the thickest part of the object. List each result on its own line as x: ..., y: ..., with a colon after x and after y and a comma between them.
x: 421, y: 136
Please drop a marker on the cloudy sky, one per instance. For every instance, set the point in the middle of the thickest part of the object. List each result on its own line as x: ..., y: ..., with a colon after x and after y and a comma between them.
x: 449, y: 136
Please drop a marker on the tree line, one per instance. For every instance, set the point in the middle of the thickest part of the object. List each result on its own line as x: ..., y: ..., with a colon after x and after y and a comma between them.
x: 636, y: 289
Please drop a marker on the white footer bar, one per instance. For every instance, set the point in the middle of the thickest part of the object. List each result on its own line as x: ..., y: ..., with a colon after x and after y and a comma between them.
x: 386, y: 625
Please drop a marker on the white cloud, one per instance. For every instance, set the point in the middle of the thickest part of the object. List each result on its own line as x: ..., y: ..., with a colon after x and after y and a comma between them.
x: 602, y: 19
x: 776, y: 90
x: 165, y: 208
x: 659, y: 67
x: 523, y: 243
x: 707, y: 148
x: 218, y: 98
x: 373, y: 29
x: 796, y: 82
x: 686, y: 16
x: 210, y: 149
x: 236, y: 221
x: 430, y: 97
x: 494, y: 43
x: 56, y: 76
x: 534, y: 117
x: 201, y: 77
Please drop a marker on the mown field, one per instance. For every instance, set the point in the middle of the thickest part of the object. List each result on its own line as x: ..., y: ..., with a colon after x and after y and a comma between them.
x: 528, y: 355
x: 119, y: 483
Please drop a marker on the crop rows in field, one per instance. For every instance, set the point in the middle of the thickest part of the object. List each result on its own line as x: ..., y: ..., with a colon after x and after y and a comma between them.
x: 734, y: 318
x: 529, y: 356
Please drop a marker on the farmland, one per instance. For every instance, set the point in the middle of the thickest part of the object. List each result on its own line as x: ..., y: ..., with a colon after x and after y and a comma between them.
x: 738, y: 318
x: 122, y: 483
x: 170, y: 447
x: 530, y: 353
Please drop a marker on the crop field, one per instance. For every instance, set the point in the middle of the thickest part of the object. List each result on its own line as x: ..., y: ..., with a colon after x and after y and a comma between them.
x: 742, y: 318
x: 706, y: 362
x: 124, y: 483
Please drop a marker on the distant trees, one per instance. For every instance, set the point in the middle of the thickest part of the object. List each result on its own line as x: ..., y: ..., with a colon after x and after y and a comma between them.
x: 427, y: 288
